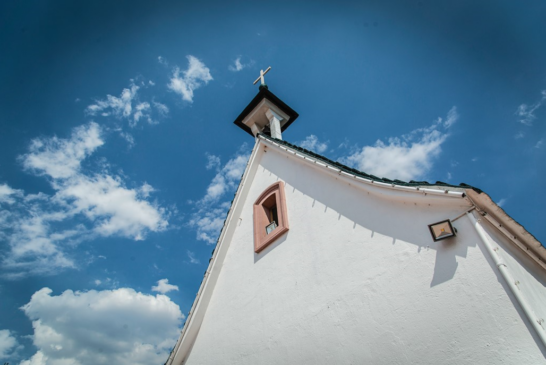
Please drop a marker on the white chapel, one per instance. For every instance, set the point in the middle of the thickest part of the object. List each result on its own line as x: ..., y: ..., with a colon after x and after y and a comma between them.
x: 318, y: 263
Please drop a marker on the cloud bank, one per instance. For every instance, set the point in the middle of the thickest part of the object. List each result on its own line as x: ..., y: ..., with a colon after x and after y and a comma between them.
x: 41, y: 228
x: 119, y: 326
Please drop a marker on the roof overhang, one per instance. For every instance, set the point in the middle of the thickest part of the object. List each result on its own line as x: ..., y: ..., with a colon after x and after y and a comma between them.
x: 255, y: 112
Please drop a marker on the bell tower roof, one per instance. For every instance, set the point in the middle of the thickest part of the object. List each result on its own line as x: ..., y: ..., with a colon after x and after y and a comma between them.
x: 259, y: 113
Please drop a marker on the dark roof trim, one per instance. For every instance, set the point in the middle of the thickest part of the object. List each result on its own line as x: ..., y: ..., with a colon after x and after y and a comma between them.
x: 264, y: 93
x: 364, y: 175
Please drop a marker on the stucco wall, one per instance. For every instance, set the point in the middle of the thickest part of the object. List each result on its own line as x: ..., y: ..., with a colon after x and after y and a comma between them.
x: 357, y: 279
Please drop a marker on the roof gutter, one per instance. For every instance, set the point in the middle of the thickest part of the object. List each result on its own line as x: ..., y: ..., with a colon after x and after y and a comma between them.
x: 512, y: 284
x: 511, y: 229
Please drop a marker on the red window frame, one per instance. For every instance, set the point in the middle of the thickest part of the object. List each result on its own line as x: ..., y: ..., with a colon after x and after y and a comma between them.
x: 262, y: 216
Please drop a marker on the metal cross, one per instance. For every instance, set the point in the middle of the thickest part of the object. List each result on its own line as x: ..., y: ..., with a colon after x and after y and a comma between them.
x: 262, y: 74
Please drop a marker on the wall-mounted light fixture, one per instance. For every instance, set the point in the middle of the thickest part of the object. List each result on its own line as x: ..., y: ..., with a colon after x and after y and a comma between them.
x: 441, y: 230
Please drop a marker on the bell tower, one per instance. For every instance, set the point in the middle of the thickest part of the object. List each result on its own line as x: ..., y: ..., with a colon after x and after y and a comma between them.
x: 266, y: 113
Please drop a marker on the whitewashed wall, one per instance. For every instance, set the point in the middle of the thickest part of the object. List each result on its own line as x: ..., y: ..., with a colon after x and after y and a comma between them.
x: 358, y: 279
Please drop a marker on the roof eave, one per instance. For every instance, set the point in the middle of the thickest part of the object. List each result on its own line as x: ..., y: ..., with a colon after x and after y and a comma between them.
x: 264, y: 93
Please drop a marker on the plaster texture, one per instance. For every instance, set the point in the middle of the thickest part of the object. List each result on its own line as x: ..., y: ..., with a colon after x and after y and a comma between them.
x: 357, y: 279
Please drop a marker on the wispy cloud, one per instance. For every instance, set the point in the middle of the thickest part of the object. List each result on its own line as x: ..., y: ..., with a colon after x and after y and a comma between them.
x: 210, y: 212
x: 539, y: 143
x: 119, y: 326
x: 312, y: 143
x: 161, y: 108
x: 192, y: 258
x: 162, y: 61
x: 163, y: 286
x: 526, y: 113
x: 501, y: 202
x: 185, y: 82
x: 212, y: 161
x: 118, y: 106
x: 7, y: 194
x: 41, y: 228
x: 408, y: 157
x: 237, y: 65
x: 127, y: 106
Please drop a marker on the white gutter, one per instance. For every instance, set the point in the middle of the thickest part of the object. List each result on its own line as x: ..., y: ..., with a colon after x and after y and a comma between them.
x: 512, y: 284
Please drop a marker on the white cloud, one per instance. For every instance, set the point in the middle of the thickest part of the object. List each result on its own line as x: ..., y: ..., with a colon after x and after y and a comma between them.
x: 119, y: 107
x: 312, y: 143
x: 162, y: 61
x: 115, y: 209
x: 208, y: 222
x: 128, y: 137
x: 539, y: 143
x: 163, y: 286
x: 519, y: 135
x: 101, y: 197
x: 102, y: 327
x: 501, y: 202
x: 98, y: 282
x: 210, y: 214
x: 8, y: 344
x: 142, y: 109
x: 61, y: 158
x: 526, y: 113
x: 161, y: 108
x: 452, y: 117
x: 192, y: 78
x: 212, y: 161
x: 145, y: 190
x: 7, y: 194
x: 226, y: 178
x: 34, y: 248
x: 39, y: 359
x: 239, y: 66
x: 90, y: 204
x: 192, y: 258
x: 127, y: 106
x: 408, y: 157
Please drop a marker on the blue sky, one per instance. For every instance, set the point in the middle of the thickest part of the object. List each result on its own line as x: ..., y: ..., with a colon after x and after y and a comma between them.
x: 119, y: 157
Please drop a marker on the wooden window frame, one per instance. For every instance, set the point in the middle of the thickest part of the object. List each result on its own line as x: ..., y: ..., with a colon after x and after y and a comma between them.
x: 261, y: 238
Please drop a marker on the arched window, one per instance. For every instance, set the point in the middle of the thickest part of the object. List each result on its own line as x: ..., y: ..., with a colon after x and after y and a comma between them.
x: 270, y: 219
